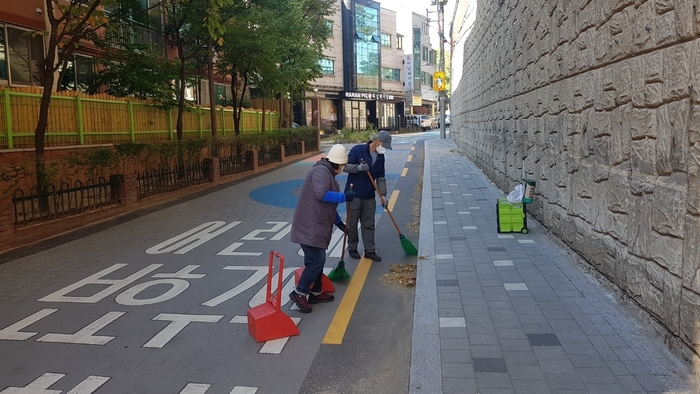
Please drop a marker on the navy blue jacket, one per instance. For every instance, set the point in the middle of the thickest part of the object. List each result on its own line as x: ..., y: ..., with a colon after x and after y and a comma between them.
x: 362, y: 186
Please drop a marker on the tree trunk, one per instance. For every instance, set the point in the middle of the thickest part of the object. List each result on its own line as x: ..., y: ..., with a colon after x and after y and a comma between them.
x: 212, y: 94
x: 236, y: 117
x: 181, y: 102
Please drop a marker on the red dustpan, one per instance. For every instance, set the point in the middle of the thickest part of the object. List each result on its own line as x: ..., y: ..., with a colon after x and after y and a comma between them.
x: 267, y: 321
x: 326, y: 283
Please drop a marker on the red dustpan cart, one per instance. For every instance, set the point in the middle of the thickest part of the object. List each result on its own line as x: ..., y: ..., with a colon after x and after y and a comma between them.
x: 267, y: 321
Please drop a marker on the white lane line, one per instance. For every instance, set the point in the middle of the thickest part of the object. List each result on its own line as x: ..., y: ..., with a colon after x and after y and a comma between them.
x: 515, y: 286
x: 503, y: 263
x: 89, y: 385
x: 195, y: 388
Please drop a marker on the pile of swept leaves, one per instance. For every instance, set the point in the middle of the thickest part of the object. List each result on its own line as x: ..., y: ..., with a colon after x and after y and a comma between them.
x: 402, y: 274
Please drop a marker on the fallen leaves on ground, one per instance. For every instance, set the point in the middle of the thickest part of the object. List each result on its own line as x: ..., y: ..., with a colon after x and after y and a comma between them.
x: 401, y: 274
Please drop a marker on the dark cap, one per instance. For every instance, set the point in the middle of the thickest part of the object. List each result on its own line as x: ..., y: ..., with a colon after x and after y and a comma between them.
x: 385, y: 137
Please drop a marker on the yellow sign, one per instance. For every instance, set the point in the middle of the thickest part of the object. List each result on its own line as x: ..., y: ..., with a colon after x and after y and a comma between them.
x: 417, y: 101
x: 439, y: 81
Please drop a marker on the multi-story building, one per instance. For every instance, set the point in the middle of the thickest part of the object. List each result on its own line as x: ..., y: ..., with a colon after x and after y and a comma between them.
x: 425, y: 99
x: 362, y: 83
x: 363, y: 71
x: 19, y: 51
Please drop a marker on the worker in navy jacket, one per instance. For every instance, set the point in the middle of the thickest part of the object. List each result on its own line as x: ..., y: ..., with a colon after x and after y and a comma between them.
x: 363, y: 158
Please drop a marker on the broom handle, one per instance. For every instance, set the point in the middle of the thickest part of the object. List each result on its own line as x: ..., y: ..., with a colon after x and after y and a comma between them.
x: 381, y: 198
x: 347, y: 223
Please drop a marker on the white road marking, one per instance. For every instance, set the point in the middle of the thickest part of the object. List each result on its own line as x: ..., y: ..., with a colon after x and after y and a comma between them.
x: 178, y: 323
x: 526, y: 241
x: 85, y: 335
x: 445, y: 256
x: 282, y: 233
x: 128, y: 297
x: 469, y: 227
x: 231, y: 251
x: 185, y: 273
x: 39, y: 386
x: 96, y: 279
x: 253, y: 235
x: 258, y: 274
x: 195, y: 388
x: 13, y: 333
x: 244, y: 390
x: 505, y: 236
x: 189, y: 240
x: 89, y: 385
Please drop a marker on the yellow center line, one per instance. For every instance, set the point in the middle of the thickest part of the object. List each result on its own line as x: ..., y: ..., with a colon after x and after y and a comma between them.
x: 336, y: 331
x: 404, y: 172
x: 339, y: 324
x: 392, y: 199
x: 409, y: 158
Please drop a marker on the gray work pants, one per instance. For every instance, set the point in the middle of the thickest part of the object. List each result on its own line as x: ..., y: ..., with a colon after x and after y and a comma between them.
x: 362, y: 210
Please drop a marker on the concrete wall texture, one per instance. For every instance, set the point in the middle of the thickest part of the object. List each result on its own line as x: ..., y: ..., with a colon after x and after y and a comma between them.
x: 602, y: 100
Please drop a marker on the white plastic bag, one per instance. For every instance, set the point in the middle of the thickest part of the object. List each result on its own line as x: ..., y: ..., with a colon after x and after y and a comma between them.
x: 517, y: 194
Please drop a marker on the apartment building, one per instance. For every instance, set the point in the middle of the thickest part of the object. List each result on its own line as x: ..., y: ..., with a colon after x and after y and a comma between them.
x: 425, y: 99
x: 20, y: 51
x: 363, y: 80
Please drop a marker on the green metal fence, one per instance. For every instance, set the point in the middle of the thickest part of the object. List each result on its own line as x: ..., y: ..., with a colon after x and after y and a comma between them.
x: 79, y: 120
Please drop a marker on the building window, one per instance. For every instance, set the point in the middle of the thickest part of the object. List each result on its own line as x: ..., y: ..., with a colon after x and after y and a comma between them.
x: 391, y: 74
x: 3, y: 55
x: 367, y: 47
x: 425, y: 28
x: 386, y: 40
x: 21, y: 56
x: 399, y: 41
x: 330, y: 27
x: 426, y: 79
x: 327, y: 66
x: 433, y: 56
x: 79, y: 75
x: 426, y: 54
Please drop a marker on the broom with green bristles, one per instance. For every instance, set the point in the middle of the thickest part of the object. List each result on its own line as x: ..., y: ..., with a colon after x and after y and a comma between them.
x: 406, y: 244
x: 339, y: 272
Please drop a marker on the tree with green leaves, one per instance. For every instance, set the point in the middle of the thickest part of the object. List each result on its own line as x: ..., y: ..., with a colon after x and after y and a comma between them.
x: 274, y: 46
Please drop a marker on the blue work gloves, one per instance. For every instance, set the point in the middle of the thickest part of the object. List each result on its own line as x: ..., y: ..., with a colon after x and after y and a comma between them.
x: 348, y: 196
x: 342, y: 227
x: 363, y: 167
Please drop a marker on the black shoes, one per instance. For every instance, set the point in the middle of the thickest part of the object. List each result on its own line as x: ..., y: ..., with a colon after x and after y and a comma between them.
x: 300, y: 301
x: 354, y: 254
x: 372, y: 256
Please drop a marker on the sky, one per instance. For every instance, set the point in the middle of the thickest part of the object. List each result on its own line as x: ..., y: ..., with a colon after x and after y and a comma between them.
x: 404, y: 8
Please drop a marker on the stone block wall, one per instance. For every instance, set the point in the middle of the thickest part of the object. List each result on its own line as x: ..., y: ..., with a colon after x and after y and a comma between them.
x: 598, y: 100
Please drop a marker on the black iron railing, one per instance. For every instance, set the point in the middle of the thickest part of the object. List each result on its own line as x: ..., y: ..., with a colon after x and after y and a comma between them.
x: 53, y: 203
x: 269, y: 155
x: 235, y: 164
x: 293, y: 148
x: 166, y: 180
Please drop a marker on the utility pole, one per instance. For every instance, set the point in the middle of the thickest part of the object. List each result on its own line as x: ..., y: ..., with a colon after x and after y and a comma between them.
x: 441, y: 35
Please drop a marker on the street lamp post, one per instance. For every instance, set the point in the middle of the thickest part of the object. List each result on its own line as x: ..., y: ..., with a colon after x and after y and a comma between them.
x: 317, y: 112
x: 441, y: 37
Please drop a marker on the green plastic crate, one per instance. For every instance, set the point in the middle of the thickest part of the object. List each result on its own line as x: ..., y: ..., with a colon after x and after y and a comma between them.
x: 510, y: 217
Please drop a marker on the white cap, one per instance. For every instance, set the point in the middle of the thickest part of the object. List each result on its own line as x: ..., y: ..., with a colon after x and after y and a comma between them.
x: 338, y: 154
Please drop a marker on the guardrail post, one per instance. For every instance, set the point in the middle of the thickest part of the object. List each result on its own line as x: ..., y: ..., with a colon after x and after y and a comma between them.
x: 303, y: 147
x: 283, y: 153
x: 255, y: 159
x: 132, y: 126
x: 8, y: 119
x: 79, y: 107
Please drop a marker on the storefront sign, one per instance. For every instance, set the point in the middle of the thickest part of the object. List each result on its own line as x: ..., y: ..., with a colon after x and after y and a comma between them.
x: 369, y: 95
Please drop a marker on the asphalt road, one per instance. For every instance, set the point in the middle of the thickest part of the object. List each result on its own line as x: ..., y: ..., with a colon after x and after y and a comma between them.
x: 156, y: 302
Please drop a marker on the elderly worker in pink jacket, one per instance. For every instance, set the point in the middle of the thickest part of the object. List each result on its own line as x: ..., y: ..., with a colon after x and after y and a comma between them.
x: 312, y: 226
